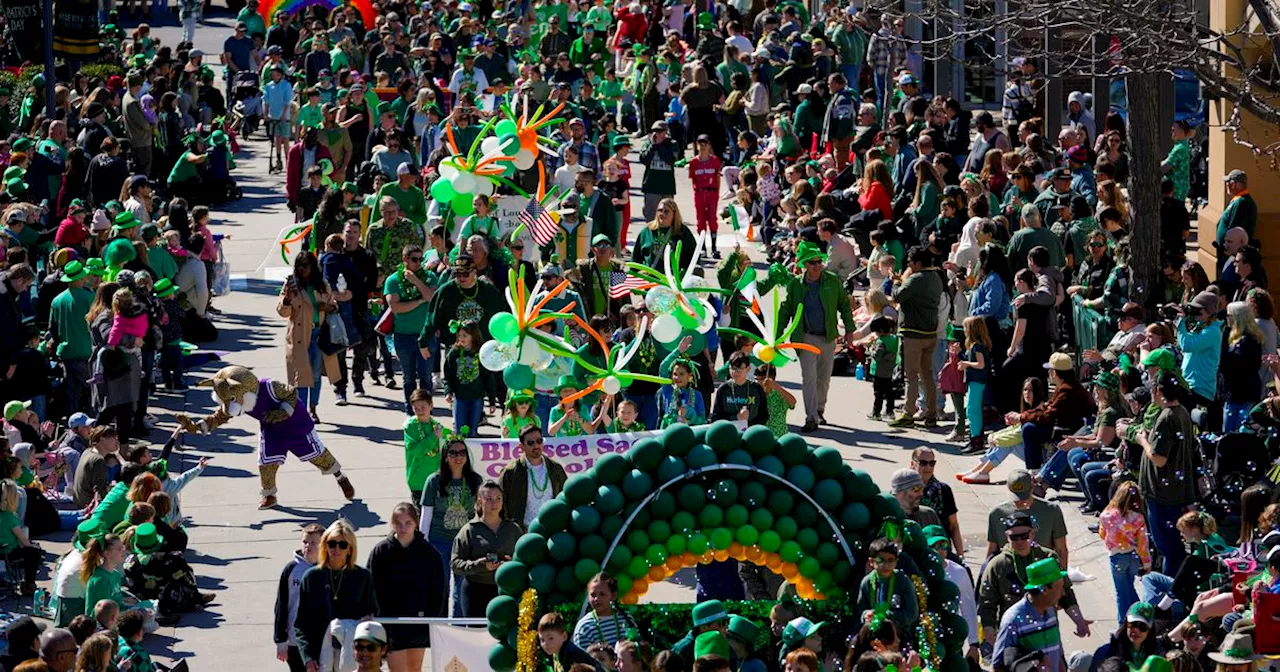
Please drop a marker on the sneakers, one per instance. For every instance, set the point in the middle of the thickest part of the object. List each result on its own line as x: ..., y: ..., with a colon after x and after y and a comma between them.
x: 341, y: 400
x: 360, y: 393
x: 391, y: 384
x: 810, y: 425
x: 930, y: 423
x: 267, y: 502
x: 373, y: 377
x: 903, y: 421
x: 873, y: 416
x: 315, y: 417
x: 348, y: 490
x: 956, y: 435
x: 976, y: 479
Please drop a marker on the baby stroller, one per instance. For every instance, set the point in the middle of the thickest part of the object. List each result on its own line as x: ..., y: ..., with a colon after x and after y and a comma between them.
x: 248, y: 102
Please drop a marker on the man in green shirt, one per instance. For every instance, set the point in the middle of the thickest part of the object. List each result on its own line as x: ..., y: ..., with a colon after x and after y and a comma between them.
x: 1168, y: 452
x: 589, y: 52
x: 405, y: 192
x: 389, y: 235
x: 70, y: 331
x: 1034, y: 234
x: 1242, y: 210
x: 158, y: 257
x: 408, y: 296
x: 595, y: 279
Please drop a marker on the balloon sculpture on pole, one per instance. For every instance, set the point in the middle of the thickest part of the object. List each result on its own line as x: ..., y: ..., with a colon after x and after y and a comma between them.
x: 518, y: 348
x: 678, y: 301
x: 768, y: 346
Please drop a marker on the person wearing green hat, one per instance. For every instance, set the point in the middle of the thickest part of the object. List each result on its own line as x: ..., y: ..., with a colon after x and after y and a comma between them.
x: 799, y: 633
x: 596, y: 279
x: 744, y: 642
x: 70, y: 333
x: 821, y: 297
x: 712, y: 644
x: 171, y: 333
x: 958, y: 574
x: 1134, y: 641
x: 709, y: 616
x: 184, y: 178
x: 153, y: 573
x: 567, y: 417
x: 520, y: 412
x: 1085, y: 453
x: 68, y: 590
x: 1031, y: 623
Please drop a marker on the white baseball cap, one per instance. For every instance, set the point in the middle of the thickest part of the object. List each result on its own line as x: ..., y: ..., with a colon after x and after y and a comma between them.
x: 371, y: 631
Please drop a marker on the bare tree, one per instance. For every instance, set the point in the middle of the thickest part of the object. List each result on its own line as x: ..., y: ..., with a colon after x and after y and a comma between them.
x: 1146, y: 40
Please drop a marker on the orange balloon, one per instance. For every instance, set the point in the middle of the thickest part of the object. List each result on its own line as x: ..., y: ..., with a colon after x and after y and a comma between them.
x: 639, y: 587
x: 707, y: 558
x: 673, y: 564
x: 657, y: 574
x: 752, y: 554
x: 689, y: 559
x: 805, y: 592
x: 790, y: 571
x: 721, y: 555
x: 631, y: 598
x: 773, y: 562
x: 735, y: 550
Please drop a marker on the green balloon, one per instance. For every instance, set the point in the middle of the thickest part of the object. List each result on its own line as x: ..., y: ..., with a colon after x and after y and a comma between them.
x: 736, y: 516
x: 828, y: 494
x: 561, y: 546
x: 855, y: 517
x: 790, y: 551
x: 808, y: 539
x: 512, y: 577
x: 567, y: 581
x: 554, y: 515
x: 610, y: 469
x: 754, y: 494
x: 585, y: 569
x: 772, y: 465
x: 700, y: 456
x: 724, y: 437
x: 805, y: 514
x: 638, y: 567
x: 462, y: 204
x: 502, y: 658
x: 638, y: 541
x: 840, y: 571
x: 505, y: 127
x: 442, y: 190
x: 663, y: 506
x: 769, y: 541
x: 619, y: 559
x: 698, y: 544
x: 542, y: 578
x: 827, y: 554
x: 683, y: 523
x: 609, y: 499
x: 859, y: 485
x: 725, y: 492
x: 785, y: 527
x: 721, y: 538
x: 759, y: 441
x: 739, y: 457
x: 809, y: 567
x: 780, y: 501
x: 792, y: 449
x: 505, y: 329
x: 802, y: 477
x: 677, y: 544
x: 692, y: 497
x: 645, y: 454
x: 747, y: 535
x: 677, y: 439
x: 585, y: 520
x: 593, y: 546
x: 637, y: 484
x: 656, y: 555
x: 531, y: 549
x: 686, y: 320
x: 670, y: 467
x: 711, y: 516
x: 611, y: 526
x: 517, y: 376
x: 659, y: 531
x: 624, y: 583
x: 503, y: 610
x: 826, y: 462
x: 761, y: 519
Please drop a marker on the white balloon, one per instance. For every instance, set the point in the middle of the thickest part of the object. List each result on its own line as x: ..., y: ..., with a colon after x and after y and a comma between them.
x: 660, y: 300
x: 496, y: 356
x: 483, y: 186
x: 611, y: 385
x: 755, y: 350
x: 665, y: 328
x: 525, y: 159
x: 464, y: 182
x: 448, y: 170
x: 490, y: 144
x: 693, y: 282
x: 532, y: 354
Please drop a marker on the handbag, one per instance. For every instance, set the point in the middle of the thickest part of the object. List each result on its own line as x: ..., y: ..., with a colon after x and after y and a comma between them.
x: 386, y: 322
x: 333, y: 336
x: 221, y: 274
x: 337, y: 330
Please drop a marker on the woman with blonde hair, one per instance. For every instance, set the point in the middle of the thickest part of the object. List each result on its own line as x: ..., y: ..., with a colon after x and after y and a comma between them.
x: 1110, y: 196
x: 336, y: 588
x: 876, y: 191
x: 95, y: 653
x: 665, y: 231
x: 1243, y: 353
x: 15, y: 545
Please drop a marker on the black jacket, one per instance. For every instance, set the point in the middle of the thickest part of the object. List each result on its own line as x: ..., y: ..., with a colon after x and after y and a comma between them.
x: 409, y: 581
x: 317, y: 605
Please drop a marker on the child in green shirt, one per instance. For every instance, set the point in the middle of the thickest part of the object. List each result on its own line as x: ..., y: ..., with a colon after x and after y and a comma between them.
x: 519, y: 413
x: 778, y: 400
x: 628, y: 419
x: 309, y: 115
x: 566, y: 418
x: 423, y: 437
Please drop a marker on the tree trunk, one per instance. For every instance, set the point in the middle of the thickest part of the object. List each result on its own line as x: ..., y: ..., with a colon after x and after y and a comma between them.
x: 1144, y: 182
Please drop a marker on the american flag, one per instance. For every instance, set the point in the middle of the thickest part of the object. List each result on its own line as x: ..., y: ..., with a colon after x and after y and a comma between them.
x: 539, y: 222
x: 621, y: 284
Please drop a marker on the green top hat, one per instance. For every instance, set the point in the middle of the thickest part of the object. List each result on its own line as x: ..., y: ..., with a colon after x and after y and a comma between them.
x: 1153, y: 664
x: 711, y: 643
x: 569, y: 382
x: 164, y: 288
x: 519, y: 396
x: 218, y: 138
x: 90, y: 529
x: 620, y: 141
x: 807, y: 251
x: 1107, y: 380
x: 126, y: 220
x: 16, y: 171
x: 704, y: 613
x: 74, y: 271
x: 146, y: 539
x: 23, y: 144
x: 15, y: 186
x: 1043, y: 573
x: 96, y: 266
x: 800, y: 629
x: 706, y: 21
x: 743, y: 630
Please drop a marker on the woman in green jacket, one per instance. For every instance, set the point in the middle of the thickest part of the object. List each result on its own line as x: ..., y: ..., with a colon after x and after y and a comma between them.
x: 100, y: 572
x: 666, y: 230
x: 927, y: 203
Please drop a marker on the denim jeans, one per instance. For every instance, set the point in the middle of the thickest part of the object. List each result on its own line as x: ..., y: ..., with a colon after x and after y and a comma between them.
x: 1234, y: 415
x: 1095, y: 479
x: 453, y: 581
x: 1124, y: 571
x: 412, y: 365
x: 38, y: 406
x: 1155, y: 586
x: 1076, y: 458
x: 1054, y: 471
x: 1034, y: 436
x: 546, y: 402
x: 468, y: 413
x: 76, y: 374
x: 648, y: 405
x: 997, y: 454
x: 313, y: 356
x: 881, y: 81
x: 1162, y: 520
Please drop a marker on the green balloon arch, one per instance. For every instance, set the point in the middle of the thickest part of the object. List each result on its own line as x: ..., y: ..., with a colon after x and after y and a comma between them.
x: 696, y: 495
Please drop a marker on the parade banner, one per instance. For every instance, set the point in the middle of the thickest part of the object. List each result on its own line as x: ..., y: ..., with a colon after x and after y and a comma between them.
x: 575, y: 453
x: 26, y: 29
x: 455, y: 649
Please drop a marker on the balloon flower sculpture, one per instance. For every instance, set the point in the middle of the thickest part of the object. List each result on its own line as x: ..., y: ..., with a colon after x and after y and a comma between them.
x: 613, y: 376
x: 463, y: 177
x: 677, y: 301
x: 518, y: 347
x: 768, y: 347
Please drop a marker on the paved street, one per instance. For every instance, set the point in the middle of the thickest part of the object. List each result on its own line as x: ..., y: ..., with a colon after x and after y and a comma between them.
x: 238, y: 551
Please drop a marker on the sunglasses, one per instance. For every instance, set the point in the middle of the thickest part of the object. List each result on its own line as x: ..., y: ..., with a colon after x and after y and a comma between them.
x: 534, y: 442
x: 926, y: 463
x: 1140, y: 627
x: 1097, y: 244
x: 366, y: 648
x: 456, y: 453
x: 340, y: 544
x: 1020, y: 537
x: 415, y: 259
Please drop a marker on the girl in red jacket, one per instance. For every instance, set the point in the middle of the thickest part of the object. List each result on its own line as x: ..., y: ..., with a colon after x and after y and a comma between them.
x: 704, y: 171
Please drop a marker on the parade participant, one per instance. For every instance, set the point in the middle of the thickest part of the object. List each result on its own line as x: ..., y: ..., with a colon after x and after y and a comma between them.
x: 284, y: 428
x: 336, y: 588
x: 704, y: 172
x: 482, y: 545
x: 530, y: 480
x: 409, y: 580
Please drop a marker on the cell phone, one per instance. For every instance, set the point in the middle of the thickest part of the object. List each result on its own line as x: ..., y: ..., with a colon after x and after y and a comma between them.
x: 492, y: 557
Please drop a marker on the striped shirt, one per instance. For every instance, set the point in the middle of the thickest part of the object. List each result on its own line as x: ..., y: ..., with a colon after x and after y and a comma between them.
x: 1025, y: 629
x: 607, y: 629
